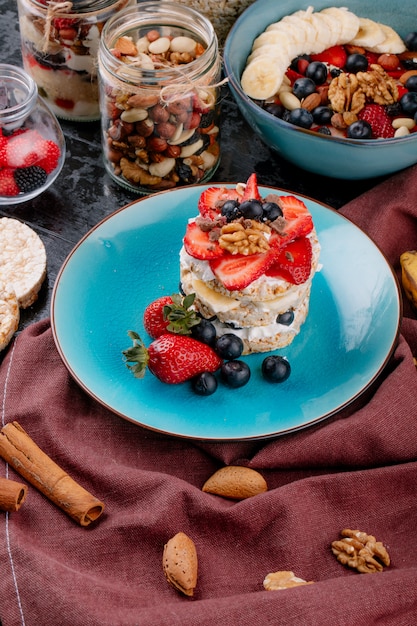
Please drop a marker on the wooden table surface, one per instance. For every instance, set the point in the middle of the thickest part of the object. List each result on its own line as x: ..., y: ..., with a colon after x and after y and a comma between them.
x: 84, y: 194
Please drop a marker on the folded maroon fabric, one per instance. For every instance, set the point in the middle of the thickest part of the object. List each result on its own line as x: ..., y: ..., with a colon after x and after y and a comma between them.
x: 357, y: 470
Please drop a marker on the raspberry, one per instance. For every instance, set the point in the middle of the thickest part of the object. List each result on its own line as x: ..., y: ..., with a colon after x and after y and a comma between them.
x: 378, y: 118
x: 8, y: 186
x: 30, y: 178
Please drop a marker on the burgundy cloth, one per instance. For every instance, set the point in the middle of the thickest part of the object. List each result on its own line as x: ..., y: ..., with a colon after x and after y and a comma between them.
x: 357, y: 470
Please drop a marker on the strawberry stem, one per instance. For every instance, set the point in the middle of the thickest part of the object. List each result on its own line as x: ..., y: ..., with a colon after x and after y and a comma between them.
x: 179, y: 315
x: 136, y: 357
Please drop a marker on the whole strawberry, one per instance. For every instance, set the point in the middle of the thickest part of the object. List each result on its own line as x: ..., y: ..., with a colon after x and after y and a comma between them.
x: 170, y: 314
x: 381, y: 124
x: 171, y: 358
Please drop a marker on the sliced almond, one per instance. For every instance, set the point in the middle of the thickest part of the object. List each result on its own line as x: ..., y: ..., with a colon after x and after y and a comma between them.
x: 180, y: 563
x: 235, y: 482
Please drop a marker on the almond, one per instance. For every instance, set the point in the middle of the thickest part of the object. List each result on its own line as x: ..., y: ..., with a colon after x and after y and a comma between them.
x: 235, y: 482
x: 311, y: 101
x: 125, y: 45
x: 180, y: 563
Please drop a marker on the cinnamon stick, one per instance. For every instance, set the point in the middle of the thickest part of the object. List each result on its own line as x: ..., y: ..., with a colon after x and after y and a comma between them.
x: 12, y: 494
x: 22, y: 453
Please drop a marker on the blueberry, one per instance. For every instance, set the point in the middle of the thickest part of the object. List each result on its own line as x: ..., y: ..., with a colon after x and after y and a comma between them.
x: 286, y: 318
x: 303, y: 87
x: 229, y: 346
x: 409, y: 102
x: 230, y: 210
x: 277, y: 110
x: 204, y: 384
x: 275, y: 369
x: 271, y: 211
x: 411, y: 41
x: 322, y: 114
x: 251, y: 209
x: 301, y: 117
x: 359, y: 130
x: 411, y: 83
x: 356, y: 63
x: 317, y: 71
x: 205, y: 332
x: 335, y: 72
x: 235, y: 373
x: 323, y: 130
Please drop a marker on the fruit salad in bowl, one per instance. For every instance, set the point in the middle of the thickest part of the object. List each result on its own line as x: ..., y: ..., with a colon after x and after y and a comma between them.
x: 329, y: 87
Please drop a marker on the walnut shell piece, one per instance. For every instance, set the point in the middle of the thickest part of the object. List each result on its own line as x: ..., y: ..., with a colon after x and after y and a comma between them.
x: 235, y: 482
x: 180, y: 563
x: 283, y: 580
x: 360, y: 551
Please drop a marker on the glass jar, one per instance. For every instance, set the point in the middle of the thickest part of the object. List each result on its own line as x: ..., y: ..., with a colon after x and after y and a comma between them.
x: 32, y: 145
x: 159, y: 72
x: 60, y: 42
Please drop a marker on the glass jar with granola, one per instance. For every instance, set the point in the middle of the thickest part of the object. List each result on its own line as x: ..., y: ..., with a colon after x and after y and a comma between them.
x: 59, y: 43
x: 159, y: 75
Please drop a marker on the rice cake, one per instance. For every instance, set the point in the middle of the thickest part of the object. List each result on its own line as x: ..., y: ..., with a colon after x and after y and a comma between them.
x: 22, y: 260
x: 9, y: 314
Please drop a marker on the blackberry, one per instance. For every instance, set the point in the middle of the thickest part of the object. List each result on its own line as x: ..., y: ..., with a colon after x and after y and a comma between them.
x: 30, y: 178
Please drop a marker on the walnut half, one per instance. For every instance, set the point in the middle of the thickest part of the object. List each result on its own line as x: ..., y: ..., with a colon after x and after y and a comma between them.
x: 360, y: 551
x: 244, y: 237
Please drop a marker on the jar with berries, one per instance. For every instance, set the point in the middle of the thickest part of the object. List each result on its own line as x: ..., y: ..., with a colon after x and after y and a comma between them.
x: 32, y: 145
x: 59, y: 43
x: 159, y: 75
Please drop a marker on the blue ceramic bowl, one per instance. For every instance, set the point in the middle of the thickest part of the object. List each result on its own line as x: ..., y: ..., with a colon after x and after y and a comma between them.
x: 329, y: 156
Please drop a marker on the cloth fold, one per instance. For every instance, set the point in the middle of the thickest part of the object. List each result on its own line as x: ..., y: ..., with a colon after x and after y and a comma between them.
x: 355, y: 470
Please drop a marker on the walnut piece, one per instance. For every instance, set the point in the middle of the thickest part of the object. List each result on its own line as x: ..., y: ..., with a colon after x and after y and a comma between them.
x: 345, y: 94
x: 283, y: 580
x: 360, y: 551
x: 244, y: 237
x: 136, y: 174
x: 377, y: 85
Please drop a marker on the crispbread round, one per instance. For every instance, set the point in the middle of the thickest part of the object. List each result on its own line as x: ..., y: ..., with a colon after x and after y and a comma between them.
x: 22, y: 260
x: 9, y: 314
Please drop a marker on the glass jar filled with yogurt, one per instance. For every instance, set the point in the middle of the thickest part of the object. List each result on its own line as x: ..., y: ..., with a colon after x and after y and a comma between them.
x: 60, y: 42
x: 159, y: 73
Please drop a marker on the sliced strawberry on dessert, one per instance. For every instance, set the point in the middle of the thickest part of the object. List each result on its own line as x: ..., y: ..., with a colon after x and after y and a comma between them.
x: 171, y: 358
x: 170, y: 314
x: 237, y: 271
x: 8, y: 185
x: 201, y: 244
x: 212, y: 199
x: 377, y: 117
x: 293, y: 263
x: 296, y: 221
x: 335, y: 55
x: 251, y: 189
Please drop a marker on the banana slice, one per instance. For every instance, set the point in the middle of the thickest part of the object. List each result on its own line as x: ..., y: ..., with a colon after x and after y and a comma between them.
x: 273, y: 51
x: 262, y: 78
x: 392, y: 44
x: 369, y: 35
x: 349, y: 23
x: 290, y: 31
x: 324, y: 36
x: 278, y: 38
x: 332, y: 25
x: 303, y: 26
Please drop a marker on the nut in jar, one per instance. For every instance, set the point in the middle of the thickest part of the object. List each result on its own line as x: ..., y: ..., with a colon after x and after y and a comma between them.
x: 159, y: 72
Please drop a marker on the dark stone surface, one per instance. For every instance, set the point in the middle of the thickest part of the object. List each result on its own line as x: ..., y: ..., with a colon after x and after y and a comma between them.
x: 84, y: 194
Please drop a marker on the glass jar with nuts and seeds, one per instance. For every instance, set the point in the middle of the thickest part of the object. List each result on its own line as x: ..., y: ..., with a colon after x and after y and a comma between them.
x: 60, y: 42
x: 159, y: 72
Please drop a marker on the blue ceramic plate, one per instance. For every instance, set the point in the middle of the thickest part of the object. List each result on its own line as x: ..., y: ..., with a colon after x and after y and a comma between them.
x: 131, y: 258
